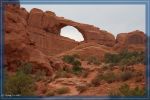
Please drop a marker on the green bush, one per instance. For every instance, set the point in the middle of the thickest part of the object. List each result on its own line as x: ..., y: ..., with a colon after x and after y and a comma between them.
x: 25, y: 68
x: 76, y: 69
x: 22, y: 83
x: 62, y: 90
x: 138, y: 92
x: 76, y: 63
x: 68, y: 59
x: 93, y: 60
x: 126, y: 91
x: 126, y: 75
x: 108, y: 76
x: 19, y: 84
x: 111, y: 58
x: 125, y: 58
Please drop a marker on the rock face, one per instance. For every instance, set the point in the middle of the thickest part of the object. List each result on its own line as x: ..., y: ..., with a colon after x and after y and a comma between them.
x: 16, y: 39
x: 135, y: 40
x: 20, y: 45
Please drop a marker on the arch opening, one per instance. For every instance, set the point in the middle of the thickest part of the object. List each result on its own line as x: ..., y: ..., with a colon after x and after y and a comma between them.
x: 72, y: 33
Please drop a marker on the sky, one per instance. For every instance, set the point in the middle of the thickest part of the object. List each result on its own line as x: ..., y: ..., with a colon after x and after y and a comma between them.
x: 112, y: 18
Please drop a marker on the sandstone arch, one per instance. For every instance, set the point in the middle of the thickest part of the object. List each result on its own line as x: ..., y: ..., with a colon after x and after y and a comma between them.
x: 64, y: 23
x: 89, y: 32
x: 52, y: 24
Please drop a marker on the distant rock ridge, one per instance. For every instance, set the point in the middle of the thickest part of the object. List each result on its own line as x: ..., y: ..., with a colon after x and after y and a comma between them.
x: 132, y: 40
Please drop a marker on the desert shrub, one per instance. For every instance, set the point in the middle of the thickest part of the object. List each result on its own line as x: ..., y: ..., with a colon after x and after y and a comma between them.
x: 76, y: 63
x: 62, y: 90
x: 138, y: 92
x: 125, y: 75
x: 68, y: 59
x: 50, y: 93
x: 25, y: 67
x: 111, y: 58
x: 125, y: 58
x: 19, y: 84
x: 76, y: 69
x: 130, y: 61
x: 81, y: 88
x: 126, y: 91
x: 109, y: 77
x: 22, y: 83
x: 93, y: 60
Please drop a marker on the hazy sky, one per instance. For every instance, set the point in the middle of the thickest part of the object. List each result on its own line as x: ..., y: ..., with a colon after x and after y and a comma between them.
x: 112, y: 18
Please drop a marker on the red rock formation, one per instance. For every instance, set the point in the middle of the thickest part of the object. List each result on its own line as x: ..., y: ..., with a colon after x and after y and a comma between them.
x: 89, y: 32
x: 33, y: 37
x: 49, y: 22
x: 17, y: 45
x: 135, y: 40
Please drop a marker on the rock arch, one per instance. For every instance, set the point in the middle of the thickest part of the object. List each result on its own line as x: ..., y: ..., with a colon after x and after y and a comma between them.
x: 63, y: 24
x: 52, y: 24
